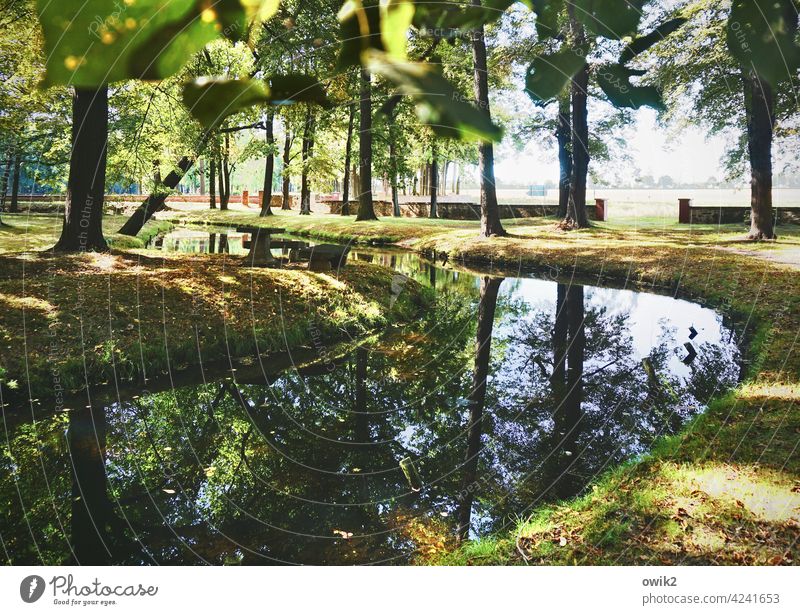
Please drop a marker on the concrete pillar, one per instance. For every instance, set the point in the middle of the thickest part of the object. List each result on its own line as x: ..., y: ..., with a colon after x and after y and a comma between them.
x: 684, y: 211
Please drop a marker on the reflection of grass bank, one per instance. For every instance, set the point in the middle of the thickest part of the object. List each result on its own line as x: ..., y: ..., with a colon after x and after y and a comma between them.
x: 725, y: 490
x: 106, y: 318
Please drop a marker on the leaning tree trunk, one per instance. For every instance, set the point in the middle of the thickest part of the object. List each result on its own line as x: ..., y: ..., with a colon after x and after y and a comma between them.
x: 760, y: 107
x: 287, y: 146
x: 347, y: 149
x: 83, y: 211
x: 269, y: 168
x: 490, y: 212
x: 476, y: 399
x: 434, y: 211
x: 225, y: 176
x: 365, y: 208
x: 156, y: 201
x: 13, y: 206
x: 564, y: 155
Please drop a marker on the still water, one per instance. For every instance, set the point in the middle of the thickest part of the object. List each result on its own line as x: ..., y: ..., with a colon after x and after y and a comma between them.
x: 506, y: 394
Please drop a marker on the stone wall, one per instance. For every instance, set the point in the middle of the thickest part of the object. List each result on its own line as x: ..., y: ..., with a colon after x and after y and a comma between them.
x: 739, y: 215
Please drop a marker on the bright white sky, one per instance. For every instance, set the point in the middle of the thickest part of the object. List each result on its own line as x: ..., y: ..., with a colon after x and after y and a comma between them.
x: 686, y: 156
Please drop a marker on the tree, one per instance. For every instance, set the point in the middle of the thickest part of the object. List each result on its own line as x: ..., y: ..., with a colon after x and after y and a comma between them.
x: 82, y: 229
x: 490, y: 212
x: 365, y: 208
x: 347, y: 148
x: 269, y: 165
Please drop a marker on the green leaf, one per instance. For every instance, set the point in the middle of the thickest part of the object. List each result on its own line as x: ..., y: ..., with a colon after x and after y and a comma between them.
x: 615, y: 81
x: 549, y: 74
x: 761, y: 36
x: 210, y: 101
x: 547, y: 14
x: 396, y: 16
x: 452, y: 21
x: 360, y: 31
x: 448, y: 112
x: 101, y: 41
x: 297, y: 88
x: 614, y: 19
x: 643, y: 43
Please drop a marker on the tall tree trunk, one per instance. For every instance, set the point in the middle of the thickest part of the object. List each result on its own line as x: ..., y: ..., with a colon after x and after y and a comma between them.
x: 563, y: 134
x: 347, y: 149
x: 576, y: 206
x: 83, y: 211
x: 307, y: 147
x: 225, y: 176
x: 14, y: 205
x: 201, y: 170
x: 287, y: 146
x: 269, y: 168
x: 490, y: 212
x: 212, y: 182
x: 434, y: 210
x: 365, y: 209
x: 760, y: 109
x: 476, y: 400
x: 4, y: 182
x: 393, y: 173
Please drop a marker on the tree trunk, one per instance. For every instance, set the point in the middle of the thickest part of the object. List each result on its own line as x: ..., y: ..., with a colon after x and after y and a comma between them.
x: 576, y: 205
x: 760, y: 107
x: 212, y: 183
x: 307, y: 149
x: 490, y: 212
x: 201, y: 170
x: 347, y: 150
x: 14, y: 205
x: 563, y: 132
x: 287, y: 146
x: 393, y: 173
x: 434, y: 210
x: 365, y: 209
x: 156, y: 201
x: 269, y: 168
x: 476, y: 400
x: 4, y: 182
x: 83, y: 211
x: 225, y: 176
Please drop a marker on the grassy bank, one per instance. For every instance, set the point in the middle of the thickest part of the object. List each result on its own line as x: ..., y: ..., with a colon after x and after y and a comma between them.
x: 727, y: 489
x: 119, y: 317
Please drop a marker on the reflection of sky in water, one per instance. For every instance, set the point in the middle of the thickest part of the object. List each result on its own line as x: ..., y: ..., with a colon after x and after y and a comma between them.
x: 649, y: 316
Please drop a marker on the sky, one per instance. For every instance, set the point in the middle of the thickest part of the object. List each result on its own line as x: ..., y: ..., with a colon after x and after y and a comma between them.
x: 686, y: 156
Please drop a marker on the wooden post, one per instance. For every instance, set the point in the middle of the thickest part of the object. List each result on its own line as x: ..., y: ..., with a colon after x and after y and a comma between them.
x: 600, y: 209
x: 260, y: 196
x: 684, y: 211
x: 246, y: 198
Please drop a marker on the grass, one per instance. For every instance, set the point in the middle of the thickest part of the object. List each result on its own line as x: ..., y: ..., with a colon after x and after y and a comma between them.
x: 69, y: 320
x: 726, y: 490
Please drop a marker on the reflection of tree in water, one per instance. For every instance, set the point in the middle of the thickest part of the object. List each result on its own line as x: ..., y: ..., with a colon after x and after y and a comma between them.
x: 305, y: 468
x: 582, y: 400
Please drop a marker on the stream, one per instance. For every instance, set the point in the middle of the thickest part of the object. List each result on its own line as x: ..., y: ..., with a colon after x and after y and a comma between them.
x: 373, y: 452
